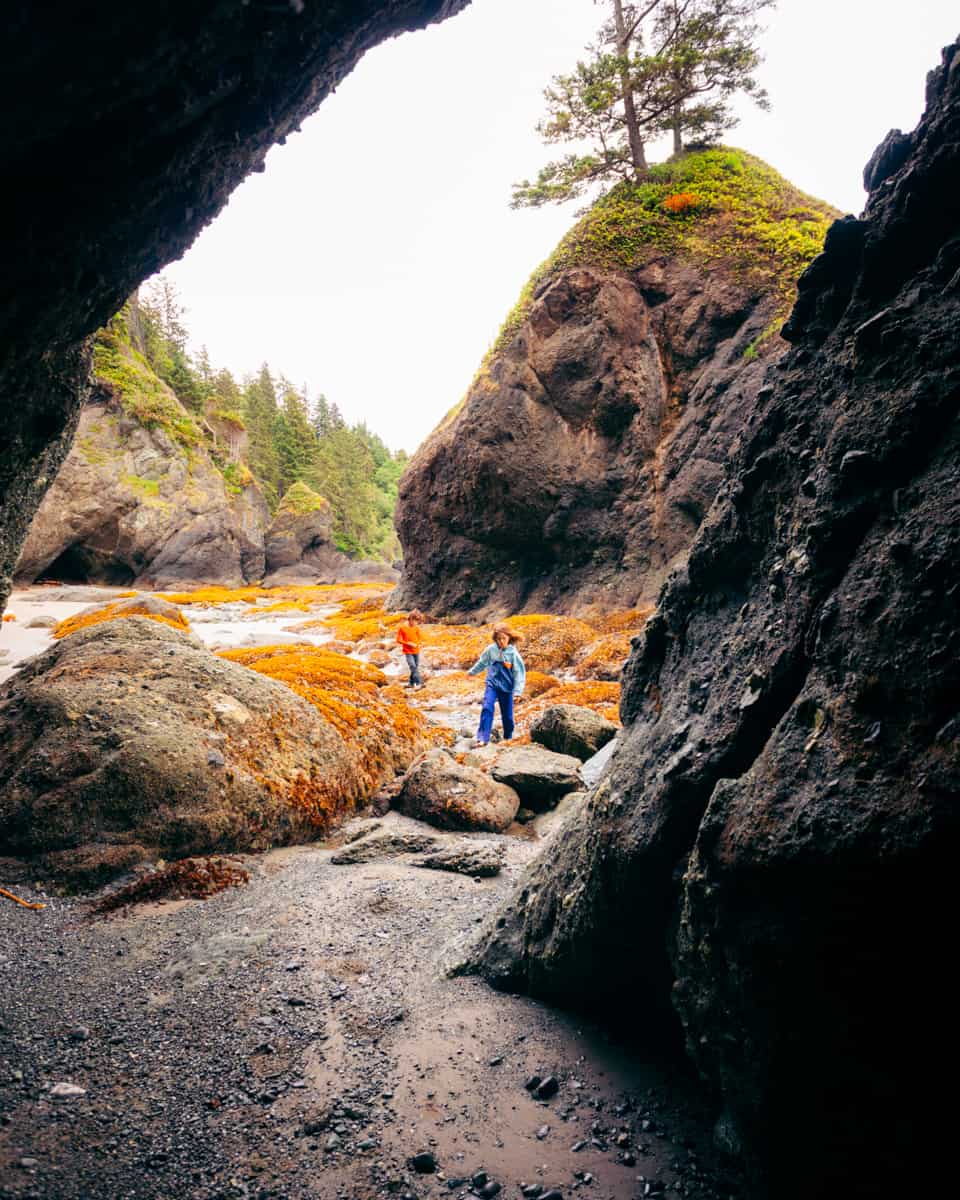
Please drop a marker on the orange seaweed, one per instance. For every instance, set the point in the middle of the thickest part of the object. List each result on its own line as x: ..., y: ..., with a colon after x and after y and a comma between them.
x: 116, y: 611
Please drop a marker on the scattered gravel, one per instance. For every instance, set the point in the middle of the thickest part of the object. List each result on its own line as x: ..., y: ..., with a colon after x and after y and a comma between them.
x: 295, y: 1040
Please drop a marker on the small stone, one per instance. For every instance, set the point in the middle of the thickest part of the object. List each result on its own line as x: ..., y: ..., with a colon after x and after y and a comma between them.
x: 215, y: 759
x: 80, y: 1034
x: 296, y: 1001
x: 629, y: 1159
x: 542, y: 1132
x: 548, y: 1088
x: 490, y: 1190
x: 366, y: 1144
x: 67, y: 1091
x: 294, y: 965
x: 532, y: 1191
x: 533, y: 1083
x: 479, y: 1179
x: 28, y: 1163
x: 332, y: 1143
x: 496, y: 1060
x: 578, y: 1146
x: 423, y: 1163
x: 553, y: 1194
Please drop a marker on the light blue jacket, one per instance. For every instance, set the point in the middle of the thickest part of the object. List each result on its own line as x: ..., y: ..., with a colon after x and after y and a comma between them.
x: 493, y: 654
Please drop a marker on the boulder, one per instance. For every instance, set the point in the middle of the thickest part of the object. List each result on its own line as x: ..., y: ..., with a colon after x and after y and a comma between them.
x: 302, y: 527
x: 131, y: 733
x: 593, y: 439
x: 571, y: 729
x: 538, y: 776
x: 439, y: 790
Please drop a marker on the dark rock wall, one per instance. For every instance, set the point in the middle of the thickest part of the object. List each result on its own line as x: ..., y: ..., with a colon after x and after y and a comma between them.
x: 771, y: 852
x: 123, y: 132
x: 587, y: 452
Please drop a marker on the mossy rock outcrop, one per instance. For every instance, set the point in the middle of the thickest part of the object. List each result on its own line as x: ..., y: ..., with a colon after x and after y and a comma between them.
x: 595, y: 435
x: 138, y: 498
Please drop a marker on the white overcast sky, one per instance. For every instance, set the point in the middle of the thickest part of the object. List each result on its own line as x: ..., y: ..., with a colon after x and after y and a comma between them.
x: 376, y: 257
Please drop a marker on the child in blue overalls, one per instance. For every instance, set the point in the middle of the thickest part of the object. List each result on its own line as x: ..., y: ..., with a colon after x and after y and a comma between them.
x: 506, y: 676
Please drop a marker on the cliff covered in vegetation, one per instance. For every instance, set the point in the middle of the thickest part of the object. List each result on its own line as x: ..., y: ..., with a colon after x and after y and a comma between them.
x: 592, y: 441
x: 176, y: 469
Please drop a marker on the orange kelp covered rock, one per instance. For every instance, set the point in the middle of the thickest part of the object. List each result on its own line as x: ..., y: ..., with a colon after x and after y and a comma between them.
x: 459, y: 646
x: 549, y: 642
x: 382, y: 733
x: 139, y: 606
x: 352, y: 626
x: 546, y: 642
x: 130, y: 732
x: 602, y: 698
x: 314, y: 594
x: 604, y: 659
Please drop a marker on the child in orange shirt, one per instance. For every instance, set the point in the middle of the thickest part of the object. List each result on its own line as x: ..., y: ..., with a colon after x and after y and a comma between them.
x: 411, y: 639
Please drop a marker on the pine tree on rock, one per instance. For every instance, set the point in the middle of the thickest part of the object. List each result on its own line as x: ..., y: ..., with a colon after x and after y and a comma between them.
x: 660, y: 66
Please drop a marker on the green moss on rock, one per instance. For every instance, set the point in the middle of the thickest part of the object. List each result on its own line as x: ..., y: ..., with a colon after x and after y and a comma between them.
x: 721, y: 208
x: 122, y: 368
x: 300, y: 500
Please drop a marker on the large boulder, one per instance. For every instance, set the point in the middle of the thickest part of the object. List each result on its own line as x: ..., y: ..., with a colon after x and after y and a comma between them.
x: 593, y: 440
x: 439, y: 790
x: 571, y: 729
x: 301, y: 527
x: 131, y: 733
x: 770, y: 856
x: 539, y: 776
x: 299, y: 546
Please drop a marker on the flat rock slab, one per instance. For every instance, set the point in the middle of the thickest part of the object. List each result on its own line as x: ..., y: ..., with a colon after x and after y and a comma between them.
x: 539, y: 776
x: 384, y: 845
x: 478, y: 861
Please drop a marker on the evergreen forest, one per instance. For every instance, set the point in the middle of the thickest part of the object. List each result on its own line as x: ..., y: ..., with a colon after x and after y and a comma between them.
x: 291, y: 437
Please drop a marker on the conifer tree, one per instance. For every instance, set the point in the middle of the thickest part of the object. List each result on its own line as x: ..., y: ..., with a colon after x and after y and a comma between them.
x: 659, y: 66
x: 260, y: 416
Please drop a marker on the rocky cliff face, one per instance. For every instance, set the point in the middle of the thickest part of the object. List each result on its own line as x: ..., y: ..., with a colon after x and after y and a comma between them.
x: 134, y: 141
x: 769, y: 857
x: 592, y: 443
x: 132, y: 504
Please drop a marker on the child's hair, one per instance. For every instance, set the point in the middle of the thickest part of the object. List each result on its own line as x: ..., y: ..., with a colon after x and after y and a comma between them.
x: 415, y: 615
x: 503, y: 627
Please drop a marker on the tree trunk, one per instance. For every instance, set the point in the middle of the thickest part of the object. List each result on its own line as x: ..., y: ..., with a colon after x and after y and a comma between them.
x: 637, y: 155
x: 677, y: 133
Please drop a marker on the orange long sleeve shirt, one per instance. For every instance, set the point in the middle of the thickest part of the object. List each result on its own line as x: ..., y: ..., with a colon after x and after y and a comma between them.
x: 410, y: 638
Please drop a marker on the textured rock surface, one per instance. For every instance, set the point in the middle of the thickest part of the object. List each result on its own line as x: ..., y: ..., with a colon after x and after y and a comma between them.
x: 772, y: 848
x: 586, y: 455
x: 538, y: 776
x: 133, y: 733
x: 130, y: 505
x: 119, y: 169
x: 570, y: 729
x: 439, y: 790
